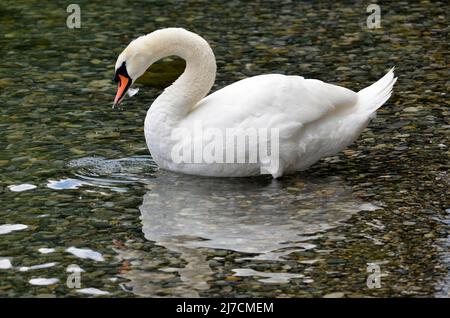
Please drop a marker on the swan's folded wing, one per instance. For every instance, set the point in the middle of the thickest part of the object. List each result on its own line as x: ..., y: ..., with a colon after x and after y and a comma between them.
x: 271, y: 100
x: 312, y: 99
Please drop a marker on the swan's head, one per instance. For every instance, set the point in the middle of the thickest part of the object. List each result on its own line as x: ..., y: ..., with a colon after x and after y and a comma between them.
x: 130, y: 65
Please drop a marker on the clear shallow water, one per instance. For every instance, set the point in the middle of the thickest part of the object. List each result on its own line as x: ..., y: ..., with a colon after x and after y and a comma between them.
x: 79, y: 190
x: 260, y: 218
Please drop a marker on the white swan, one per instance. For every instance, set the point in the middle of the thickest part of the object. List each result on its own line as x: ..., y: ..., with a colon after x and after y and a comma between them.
x: 313, y: 119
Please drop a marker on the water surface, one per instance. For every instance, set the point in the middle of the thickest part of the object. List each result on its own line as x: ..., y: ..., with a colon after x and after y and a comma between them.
x: 79, y: 191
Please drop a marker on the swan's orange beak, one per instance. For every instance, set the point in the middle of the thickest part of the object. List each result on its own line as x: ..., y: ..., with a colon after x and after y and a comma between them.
x: 122, y: 87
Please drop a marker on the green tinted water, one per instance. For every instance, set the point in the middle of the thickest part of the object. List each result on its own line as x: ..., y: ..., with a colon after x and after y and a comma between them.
x: 152, y: 233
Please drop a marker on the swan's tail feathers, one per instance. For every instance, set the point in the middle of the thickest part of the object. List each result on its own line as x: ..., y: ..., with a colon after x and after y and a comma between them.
x: 373, y: 97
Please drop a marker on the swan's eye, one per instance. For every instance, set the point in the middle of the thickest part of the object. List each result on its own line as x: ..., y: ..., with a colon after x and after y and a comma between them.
x: 116, y: 78
x: 122, y: 70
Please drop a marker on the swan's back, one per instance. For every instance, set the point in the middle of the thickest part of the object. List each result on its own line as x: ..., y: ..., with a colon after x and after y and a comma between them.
x: 272, y: 100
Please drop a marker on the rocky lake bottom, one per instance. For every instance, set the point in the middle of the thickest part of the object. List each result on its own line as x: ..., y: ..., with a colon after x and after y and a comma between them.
x: 81, y: 195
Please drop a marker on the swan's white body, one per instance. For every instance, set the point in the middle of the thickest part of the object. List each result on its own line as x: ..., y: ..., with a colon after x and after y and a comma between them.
x: 314, y: 119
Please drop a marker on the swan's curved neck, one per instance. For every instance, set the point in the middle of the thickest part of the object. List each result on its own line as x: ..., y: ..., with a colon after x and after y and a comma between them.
x: 196, y: 81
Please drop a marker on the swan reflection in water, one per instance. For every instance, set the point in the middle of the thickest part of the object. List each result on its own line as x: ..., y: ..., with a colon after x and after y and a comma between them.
x: 262, y: 218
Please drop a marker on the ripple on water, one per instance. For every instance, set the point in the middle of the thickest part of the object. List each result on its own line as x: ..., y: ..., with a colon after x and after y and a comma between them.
x: 100, y: 171
x: 267, y: 277
x: 105, y: 174
x: 39, y: 266
x: 85, y: 253
x: 22, y: 187
x: 74, y: 268
x: 43, y: 281
x: 5, y: 263
x: 92, y: 291
x: 65, y: 184
x: 45, y: 250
